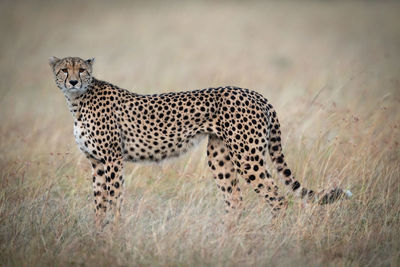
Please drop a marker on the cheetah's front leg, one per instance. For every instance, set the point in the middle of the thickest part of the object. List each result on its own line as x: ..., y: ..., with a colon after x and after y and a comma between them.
x: 100, y: 191
x: 114, y: 182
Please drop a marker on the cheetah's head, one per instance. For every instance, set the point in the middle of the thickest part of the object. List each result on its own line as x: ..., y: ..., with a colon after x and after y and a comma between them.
x: 72, y: 74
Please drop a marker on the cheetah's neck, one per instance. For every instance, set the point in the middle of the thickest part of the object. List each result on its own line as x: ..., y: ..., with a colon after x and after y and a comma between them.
x: 75, y: 100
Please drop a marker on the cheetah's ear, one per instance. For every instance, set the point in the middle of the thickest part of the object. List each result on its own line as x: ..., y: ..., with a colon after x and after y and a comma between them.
x: 90, y: 61
x: 53, y: 61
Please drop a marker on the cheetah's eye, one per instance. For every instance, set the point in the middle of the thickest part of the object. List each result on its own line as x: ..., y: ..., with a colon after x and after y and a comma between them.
x: 81, y: 70
x: 64, y: 70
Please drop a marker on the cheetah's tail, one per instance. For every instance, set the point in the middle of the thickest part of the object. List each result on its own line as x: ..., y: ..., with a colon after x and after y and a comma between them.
x: 278, y: 159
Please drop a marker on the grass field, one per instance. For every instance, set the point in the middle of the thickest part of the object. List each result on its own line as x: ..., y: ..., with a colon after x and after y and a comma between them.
x: 331, y: 69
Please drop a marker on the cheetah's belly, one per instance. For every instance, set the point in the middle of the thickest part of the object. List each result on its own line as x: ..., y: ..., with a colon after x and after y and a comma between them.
x: 135, y: 151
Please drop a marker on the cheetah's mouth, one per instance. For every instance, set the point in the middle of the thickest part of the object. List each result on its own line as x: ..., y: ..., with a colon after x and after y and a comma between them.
x: 73, y: 89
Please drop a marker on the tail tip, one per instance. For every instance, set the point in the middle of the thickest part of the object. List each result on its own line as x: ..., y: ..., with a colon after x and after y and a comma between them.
x: 334, y: 195
x: 348, y: 193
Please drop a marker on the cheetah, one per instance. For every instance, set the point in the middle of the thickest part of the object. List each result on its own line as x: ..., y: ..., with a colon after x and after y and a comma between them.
x: 113, y: 126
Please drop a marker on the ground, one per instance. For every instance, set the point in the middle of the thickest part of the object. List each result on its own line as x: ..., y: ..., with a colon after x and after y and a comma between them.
x: 331, y: 70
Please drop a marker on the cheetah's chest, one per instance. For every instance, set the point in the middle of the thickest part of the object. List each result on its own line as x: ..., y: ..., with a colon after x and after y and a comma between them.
x: 81, y: 138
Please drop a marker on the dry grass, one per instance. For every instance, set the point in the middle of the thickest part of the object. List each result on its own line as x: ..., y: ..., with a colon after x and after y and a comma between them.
x: 331, y: 69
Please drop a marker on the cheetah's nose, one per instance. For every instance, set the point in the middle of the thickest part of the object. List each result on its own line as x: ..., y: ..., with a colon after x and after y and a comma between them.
x: 73, y: 82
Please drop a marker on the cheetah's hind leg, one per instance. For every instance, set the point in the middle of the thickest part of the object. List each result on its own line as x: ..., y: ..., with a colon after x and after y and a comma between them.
x: 224, y: 173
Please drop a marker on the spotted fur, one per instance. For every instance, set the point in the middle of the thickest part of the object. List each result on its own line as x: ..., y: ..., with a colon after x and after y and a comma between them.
x: 113, y: 125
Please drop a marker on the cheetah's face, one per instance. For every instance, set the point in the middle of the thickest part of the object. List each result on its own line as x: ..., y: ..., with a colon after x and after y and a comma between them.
x: 72, y: 74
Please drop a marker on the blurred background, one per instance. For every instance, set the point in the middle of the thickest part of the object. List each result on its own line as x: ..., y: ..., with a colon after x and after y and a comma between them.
x: 293, y: 52
x: 330, y: 68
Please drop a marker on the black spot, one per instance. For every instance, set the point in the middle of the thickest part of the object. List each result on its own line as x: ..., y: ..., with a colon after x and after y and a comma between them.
x: 100, y: 172
x: 295, y: 185
x: 287, y: 172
